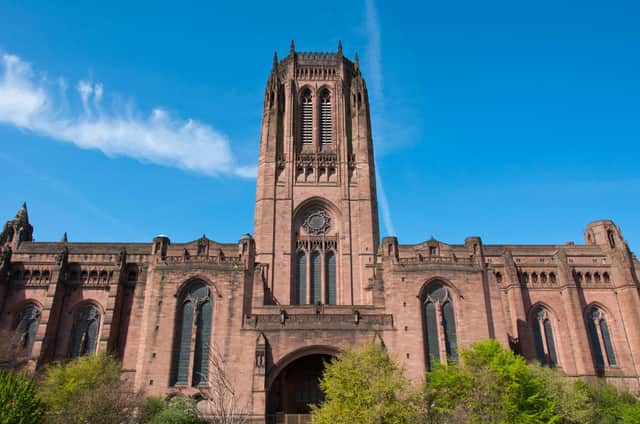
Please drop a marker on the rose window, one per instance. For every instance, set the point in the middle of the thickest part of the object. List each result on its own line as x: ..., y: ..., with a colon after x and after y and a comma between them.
x: 317, y: 223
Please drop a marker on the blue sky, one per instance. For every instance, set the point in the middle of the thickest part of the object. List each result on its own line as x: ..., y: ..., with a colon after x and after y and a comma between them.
x: 516, y: 122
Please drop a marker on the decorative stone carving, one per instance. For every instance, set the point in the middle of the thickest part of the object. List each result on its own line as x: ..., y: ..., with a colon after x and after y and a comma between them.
x: 317, y: 222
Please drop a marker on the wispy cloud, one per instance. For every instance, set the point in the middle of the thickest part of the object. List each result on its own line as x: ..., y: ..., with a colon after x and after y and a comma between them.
x: 374, y: 55
x: 34, y: 103
x: 374, y: 70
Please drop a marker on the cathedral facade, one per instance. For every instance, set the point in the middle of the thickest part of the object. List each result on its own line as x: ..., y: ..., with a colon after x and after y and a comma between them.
x: 315, y: 277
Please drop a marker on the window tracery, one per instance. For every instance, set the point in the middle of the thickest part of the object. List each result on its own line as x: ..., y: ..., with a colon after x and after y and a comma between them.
x: 26, y: 327
x: 195, y: 315
x: 600, y: 338
x: 439, y: 324
x: 315, y: 279
x: 85, y: 333
x: 543, y: 338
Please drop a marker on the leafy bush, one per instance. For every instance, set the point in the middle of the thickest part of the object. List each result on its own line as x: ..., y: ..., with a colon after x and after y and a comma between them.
x: 18, y: 401
x: 489, y: 384
x: 365, y: 386
x: 177, y: 410
x: 88, y: 389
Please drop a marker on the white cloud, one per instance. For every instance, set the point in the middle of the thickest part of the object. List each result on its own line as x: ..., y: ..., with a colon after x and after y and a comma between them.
x: 33, y: 104
x: 374, y: 56
x: 374, y: 70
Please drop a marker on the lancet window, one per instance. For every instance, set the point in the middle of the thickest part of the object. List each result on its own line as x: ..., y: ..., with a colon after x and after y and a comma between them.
x: 85, y: 331
x: 325, y: 117
x: 26, y: 328
x: 306, y: 117
x: 440, y: 338
x: 191, y: 354
x: 600, y: 337
x: 543, y: 338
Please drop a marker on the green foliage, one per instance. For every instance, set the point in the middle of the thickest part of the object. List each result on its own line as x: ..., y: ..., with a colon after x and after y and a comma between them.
x: 365, y: 386
x: 611, y: 405
x: 573, y: 397
x: 87, y: 389
x: 178, y: 410
x: 490, y: 384
x: 151, y: 407
x: 493, y: 385
x: 18, y: 401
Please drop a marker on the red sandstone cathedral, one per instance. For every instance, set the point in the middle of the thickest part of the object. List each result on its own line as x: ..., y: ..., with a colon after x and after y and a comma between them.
x: 315, y: 277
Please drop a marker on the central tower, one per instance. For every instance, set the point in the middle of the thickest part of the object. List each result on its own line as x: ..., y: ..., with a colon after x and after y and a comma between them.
x: 316, y: 217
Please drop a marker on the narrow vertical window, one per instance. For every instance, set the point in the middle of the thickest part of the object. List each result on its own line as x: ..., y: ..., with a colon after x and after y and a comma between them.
x: 431, y: 335
x: 539, y: 343
x: 26, y: 328
x: 316, y: 278
x: 306, y: 117
x: 551, y: 345
x: 184, y: 344
x: 330, y: 275
x: 449, y: 325
x: 85, y: 331
x: 325, y: 117
x: 301, y: 279
x: 608, y: 346
x: 195, y: 315
x: 203, y: 339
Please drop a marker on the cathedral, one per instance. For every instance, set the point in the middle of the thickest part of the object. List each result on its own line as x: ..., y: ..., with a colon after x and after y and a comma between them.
x: 314, y: 278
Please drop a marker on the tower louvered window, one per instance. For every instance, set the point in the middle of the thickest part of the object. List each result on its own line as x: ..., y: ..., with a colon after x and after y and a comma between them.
x: 26, y: 328
x: 543, y: 337
x: 306, y: 118
x: 195, y: 315
x: 330, y: 275
x: 600, y: 337
x: 85, y: 331
x: 325, y: 117
x: 439, y: 319
x: 316, y: 277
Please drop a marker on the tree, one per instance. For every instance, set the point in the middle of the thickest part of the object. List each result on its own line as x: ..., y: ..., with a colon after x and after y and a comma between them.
x: 18, y: 401
x: 489, y: 384
x: 573, y: 398
x: 365, y: 386
x: 88, y: 389
x: 222, y: 401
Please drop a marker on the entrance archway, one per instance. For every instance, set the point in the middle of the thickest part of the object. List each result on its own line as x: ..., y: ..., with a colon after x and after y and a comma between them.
x: 293, y: 384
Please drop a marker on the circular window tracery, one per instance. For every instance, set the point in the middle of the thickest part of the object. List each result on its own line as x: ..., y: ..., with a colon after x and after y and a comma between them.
x: 317, y: 222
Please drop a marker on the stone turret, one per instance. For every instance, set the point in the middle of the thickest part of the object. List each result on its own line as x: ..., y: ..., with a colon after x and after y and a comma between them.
x: 17, y: 230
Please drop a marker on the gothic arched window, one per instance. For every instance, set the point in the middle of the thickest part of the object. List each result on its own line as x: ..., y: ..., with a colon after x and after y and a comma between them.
x: 306, y: 117
x: 600, y: 337
x: 438, y: 316
x: 85, y: 331
x: 325, y: 117
x: 543, y: 338
x: 26, y: 327
x: 330, y: 275
x: 316, y: 277
x: 301, y: 278
x: 195, y: 315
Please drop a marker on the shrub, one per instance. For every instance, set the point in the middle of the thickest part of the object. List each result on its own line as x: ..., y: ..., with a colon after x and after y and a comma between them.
x: 88, y: 389
x: 18, y: 401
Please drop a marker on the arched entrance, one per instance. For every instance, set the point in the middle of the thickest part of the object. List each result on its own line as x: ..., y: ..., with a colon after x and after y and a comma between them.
x: 293, y: 384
